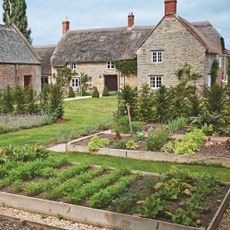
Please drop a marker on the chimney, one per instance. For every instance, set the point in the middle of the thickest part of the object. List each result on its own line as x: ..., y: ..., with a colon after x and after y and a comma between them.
x: 130, y: 20
x: 170, y: 7
x: 65, y: 26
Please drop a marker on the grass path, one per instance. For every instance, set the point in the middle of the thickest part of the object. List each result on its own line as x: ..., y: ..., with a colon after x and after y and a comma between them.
x: 78, y: 114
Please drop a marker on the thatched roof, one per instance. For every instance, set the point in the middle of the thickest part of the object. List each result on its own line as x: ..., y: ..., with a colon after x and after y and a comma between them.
x: 14, y: 48
x: 45, y: 53
x: 99, y: 45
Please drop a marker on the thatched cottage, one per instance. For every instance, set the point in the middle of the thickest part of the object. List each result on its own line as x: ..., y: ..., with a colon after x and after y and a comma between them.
x: 174, y: 42
x: 19, y: 64
x: 93, y: 51
x: 45, y: 53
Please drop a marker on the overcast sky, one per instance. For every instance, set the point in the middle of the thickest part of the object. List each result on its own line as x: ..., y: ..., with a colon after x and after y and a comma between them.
x: 45, y: 16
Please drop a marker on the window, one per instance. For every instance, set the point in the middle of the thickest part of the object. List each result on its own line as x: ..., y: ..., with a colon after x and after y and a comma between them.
x: 72, y: 65
x: 157, y: 57
x: 155, y: 82
x: 110, y: 65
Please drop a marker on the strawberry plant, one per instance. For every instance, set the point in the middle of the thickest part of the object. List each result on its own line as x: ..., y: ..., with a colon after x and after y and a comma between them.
x: 96, y: 143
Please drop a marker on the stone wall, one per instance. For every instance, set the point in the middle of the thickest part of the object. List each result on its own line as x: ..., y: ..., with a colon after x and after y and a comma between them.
x: 178, y: 46
x: 12, y: 74
x: 97, y: 71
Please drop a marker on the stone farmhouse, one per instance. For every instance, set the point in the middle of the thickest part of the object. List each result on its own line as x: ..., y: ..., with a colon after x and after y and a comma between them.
x: 175, y: 42
x: 19, y: 64
x: 92, y: 52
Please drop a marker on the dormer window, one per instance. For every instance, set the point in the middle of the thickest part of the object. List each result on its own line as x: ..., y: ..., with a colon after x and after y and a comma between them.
x: 110, y: 65
x: 72, y: 65
x: 157, y: 56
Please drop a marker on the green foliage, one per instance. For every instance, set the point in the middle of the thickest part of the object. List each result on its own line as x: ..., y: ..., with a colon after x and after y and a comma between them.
x: 7, y: 103
x: 96, y: 143
x: 162, y: 102
x: 19, y: 98
x: 177, y: 124
x: 214, y: 72
x: 157, y: 138
x: 215, y: 98
x: 14, y: 12
x: 127, y: 95
x: 145, y: 104
x: 194, y: 101
x: 56, y: 101
x: 131, y: 145
x: 186, y: 73
x: 105, y: 196
x: 190, y: 143
x: 120, y: 144
x: 71, y: 92
x: 96, y: 185
x: 30, y: 99
x: 105, y: 92
x: 85, y: 83
x: 126, y: 67
x: 64, y: 76
x: 95, y: 93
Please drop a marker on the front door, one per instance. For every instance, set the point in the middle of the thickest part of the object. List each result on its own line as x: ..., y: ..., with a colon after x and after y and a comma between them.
x: 75, y: 84
x: 111, y: 82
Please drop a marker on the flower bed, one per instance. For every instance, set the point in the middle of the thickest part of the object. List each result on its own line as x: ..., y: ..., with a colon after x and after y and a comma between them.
x: 177, y: 196
x: 10, y: 123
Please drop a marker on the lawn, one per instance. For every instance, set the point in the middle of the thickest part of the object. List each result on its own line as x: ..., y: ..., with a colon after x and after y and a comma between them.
x: 79, y: 115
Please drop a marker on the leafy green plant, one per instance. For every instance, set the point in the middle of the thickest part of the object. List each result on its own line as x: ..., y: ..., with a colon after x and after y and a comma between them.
x: 71, y: 92
x: 177, y: 124
x: 96, y: 143
x: 157, y: 138
x: 120, y: 144
x: 105, y: 196
x: 190, y: 143
x: 131, y: 145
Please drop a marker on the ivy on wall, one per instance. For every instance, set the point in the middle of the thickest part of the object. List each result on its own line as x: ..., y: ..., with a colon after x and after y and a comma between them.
x: 126, y: 67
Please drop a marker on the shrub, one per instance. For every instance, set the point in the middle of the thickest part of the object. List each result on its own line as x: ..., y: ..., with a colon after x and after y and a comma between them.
x: 30, y: 100
x: 96, y: 143
x: 122, y: 124
x: 71, y: 92
x: 56, y: 101
x: 19, y: 98
x: 127, y: 95
x: 7, y: 100
x: 145, y: 104
x: 157, y: 138
x: 95, y: 93
x: 105, y: 92
x: 162, y: 103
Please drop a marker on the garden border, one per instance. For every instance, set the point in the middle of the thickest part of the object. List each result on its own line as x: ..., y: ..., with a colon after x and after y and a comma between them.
x: 100, y: 218
x: 149, y: 156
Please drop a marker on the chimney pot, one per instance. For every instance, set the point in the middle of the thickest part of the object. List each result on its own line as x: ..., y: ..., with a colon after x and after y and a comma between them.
x: 65, y: 26
x: 170, y: 7
x: 131, y: 18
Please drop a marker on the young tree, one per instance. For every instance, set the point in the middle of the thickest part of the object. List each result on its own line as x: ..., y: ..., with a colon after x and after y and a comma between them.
x: 14, y: 12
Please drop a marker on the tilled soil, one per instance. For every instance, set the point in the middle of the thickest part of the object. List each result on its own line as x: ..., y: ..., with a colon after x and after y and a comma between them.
x: 225, y: 222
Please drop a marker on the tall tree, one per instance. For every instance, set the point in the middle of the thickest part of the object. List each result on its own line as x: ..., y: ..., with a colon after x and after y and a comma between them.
x: 14, y: 12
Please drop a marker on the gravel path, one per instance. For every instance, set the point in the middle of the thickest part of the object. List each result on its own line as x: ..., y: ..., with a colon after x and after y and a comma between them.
x: 225, y: 222
x: 49, y: 220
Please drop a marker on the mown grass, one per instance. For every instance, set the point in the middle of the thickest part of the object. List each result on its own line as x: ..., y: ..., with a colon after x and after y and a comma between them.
x: 79, y: 115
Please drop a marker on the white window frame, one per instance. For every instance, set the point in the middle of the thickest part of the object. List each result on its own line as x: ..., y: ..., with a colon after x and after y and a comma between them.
x: 155, y: 82
x: 157, y: 56
x: 73, y: 65
x: 110, y: 65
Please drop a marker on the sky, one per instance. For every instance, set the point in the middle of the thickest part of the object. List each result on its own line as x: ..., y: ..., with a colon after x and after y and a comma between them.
x: 45, y: 16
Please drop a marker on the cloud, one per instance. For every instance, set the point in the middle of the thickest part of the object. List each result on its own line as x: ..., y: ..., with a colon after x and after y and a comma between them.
x: 45, y: 17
